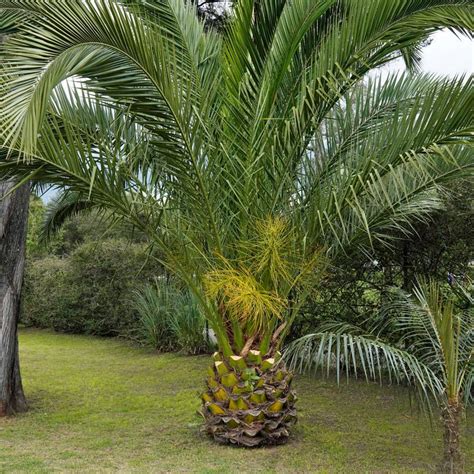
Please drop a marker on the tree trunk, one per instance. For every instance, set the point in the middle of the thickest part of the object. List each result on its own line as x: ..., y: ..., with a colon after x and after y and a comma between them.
x: 13, y: 227
x: 452, y: 460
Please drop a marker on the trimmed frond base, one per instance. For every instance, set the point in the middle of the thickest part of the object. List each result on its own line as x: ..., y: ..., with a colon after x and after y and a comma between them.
x: 249, y: 402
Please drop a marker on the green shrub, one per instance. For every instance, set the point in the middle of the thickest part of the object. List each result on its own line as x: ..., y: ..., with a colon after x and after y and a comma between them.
x: 170, y: 319
x: 91, y: 291
x: 46, y: 293
x: 88, y: 226
x: 188, y: 325
x: 155, y: 304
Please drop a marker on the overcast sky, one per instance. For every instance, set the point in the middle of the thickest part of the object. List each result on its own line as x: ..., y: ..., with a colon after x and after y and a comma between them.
x: 446, y: 55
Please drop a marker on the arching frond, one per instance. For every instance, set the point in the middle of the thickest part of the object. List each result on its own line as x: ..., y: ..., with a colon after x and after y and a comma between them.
x: 419, y: 339
x: 352, y: 353
x: 61, y: 208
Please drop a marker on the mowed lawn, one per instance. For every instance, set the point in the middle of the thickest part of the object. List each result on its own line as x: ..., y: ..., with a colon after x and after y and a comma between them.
x: 101, y: 405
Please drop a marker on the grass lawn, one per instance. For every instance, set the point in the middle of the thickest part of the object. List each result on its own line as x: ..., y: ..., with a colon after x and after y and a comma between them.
x: 100, y: 405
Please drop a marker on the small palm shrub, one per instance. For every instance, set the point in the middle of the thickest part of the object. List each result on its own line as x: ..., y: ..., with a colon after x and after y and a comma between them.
x: 170, y: 319
x: 425, y: 339
x: 188, y: 326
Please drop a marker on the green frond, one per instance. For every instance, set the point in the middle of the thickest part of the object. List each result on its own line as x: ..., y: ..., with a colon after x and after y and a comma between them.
x: 348, y: 353
x: 418, y: 339
x: 430, y: 328
x: 271, y: 251
x: 59, y: 209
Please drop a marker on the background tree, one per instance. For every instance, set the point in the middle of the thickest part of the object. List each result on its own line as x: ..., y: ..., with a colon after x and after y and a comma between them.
x: 250, y: 159
x: 215, y: 13
x: 442, y: 247
x: 13, y: 222
x: 356, y: 284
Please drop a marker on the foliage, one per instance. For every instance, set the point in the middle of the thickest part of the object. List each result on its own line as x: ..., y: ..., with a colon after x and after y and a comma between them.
x: 215, y: 13
x: 440, y: 335
x: 356, y: 285
x: 154, y: 304
x: 188, y: 326
x: 89, y: 292
x: 421, y: 339
x: 77, y: 220
x: 44, y: 298
x: 35, y: 218
x: 199, y: 137
x: 170, y: 319
x: 444, y: 245
x: 52, y: 231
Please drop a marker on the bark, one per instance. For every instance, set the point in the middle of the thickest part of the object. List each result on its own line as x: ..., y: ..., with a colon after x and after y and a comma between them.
x: 13, y: 227
x: 452, y: 460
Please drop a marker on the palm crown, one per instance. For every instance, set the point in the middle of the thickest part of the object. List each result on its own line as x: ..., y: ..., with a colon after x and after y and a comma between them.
x: 249, y: 158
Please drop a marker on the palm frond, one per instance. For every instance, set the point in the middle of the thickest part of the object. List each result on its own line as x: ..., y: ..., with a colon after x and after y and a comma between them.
x: 61, y: 208
x: 351, y: 353
x: 243, y: 298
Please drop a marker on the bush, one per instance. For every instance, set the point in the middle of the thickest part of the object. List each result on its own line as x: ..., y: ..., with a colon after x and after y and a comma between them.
x: 155, y: 306
x: 188, y: 326
x: 46, y: 295
x: 88, y: 226
x: 170, y: 319
x: 91, y: 291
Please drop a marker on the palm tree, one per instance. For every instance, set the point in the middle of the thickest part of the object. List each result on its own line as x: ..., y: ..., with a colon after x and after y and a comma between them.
x: 249, y: 158
x: 422, y: 339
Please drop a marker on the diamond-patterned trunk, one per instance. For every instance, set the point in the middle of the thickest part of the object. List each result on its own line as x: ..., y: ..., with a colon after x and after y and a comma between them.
x: 249, y: 401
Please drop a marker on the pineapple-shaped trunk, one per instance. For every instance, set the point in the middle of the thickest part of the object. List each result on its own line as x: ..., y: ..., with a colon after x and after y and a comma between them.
x: 249, y: 400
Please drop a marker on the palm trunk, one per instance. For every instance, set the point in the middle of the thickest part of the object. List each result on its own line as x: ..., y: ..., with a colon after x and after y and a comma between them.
x: 452, y: 460
x: 13, y: 227
x: 249, y: 400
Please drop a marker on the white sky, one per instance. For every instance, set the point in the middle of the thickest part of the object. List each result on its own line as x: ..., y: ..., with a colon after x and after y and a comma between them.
x: 446, y: 55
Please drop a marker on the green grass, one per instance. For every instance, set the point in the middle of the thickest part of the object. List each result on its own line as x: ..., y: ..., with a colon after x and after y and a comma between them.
x: 100, y: 405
